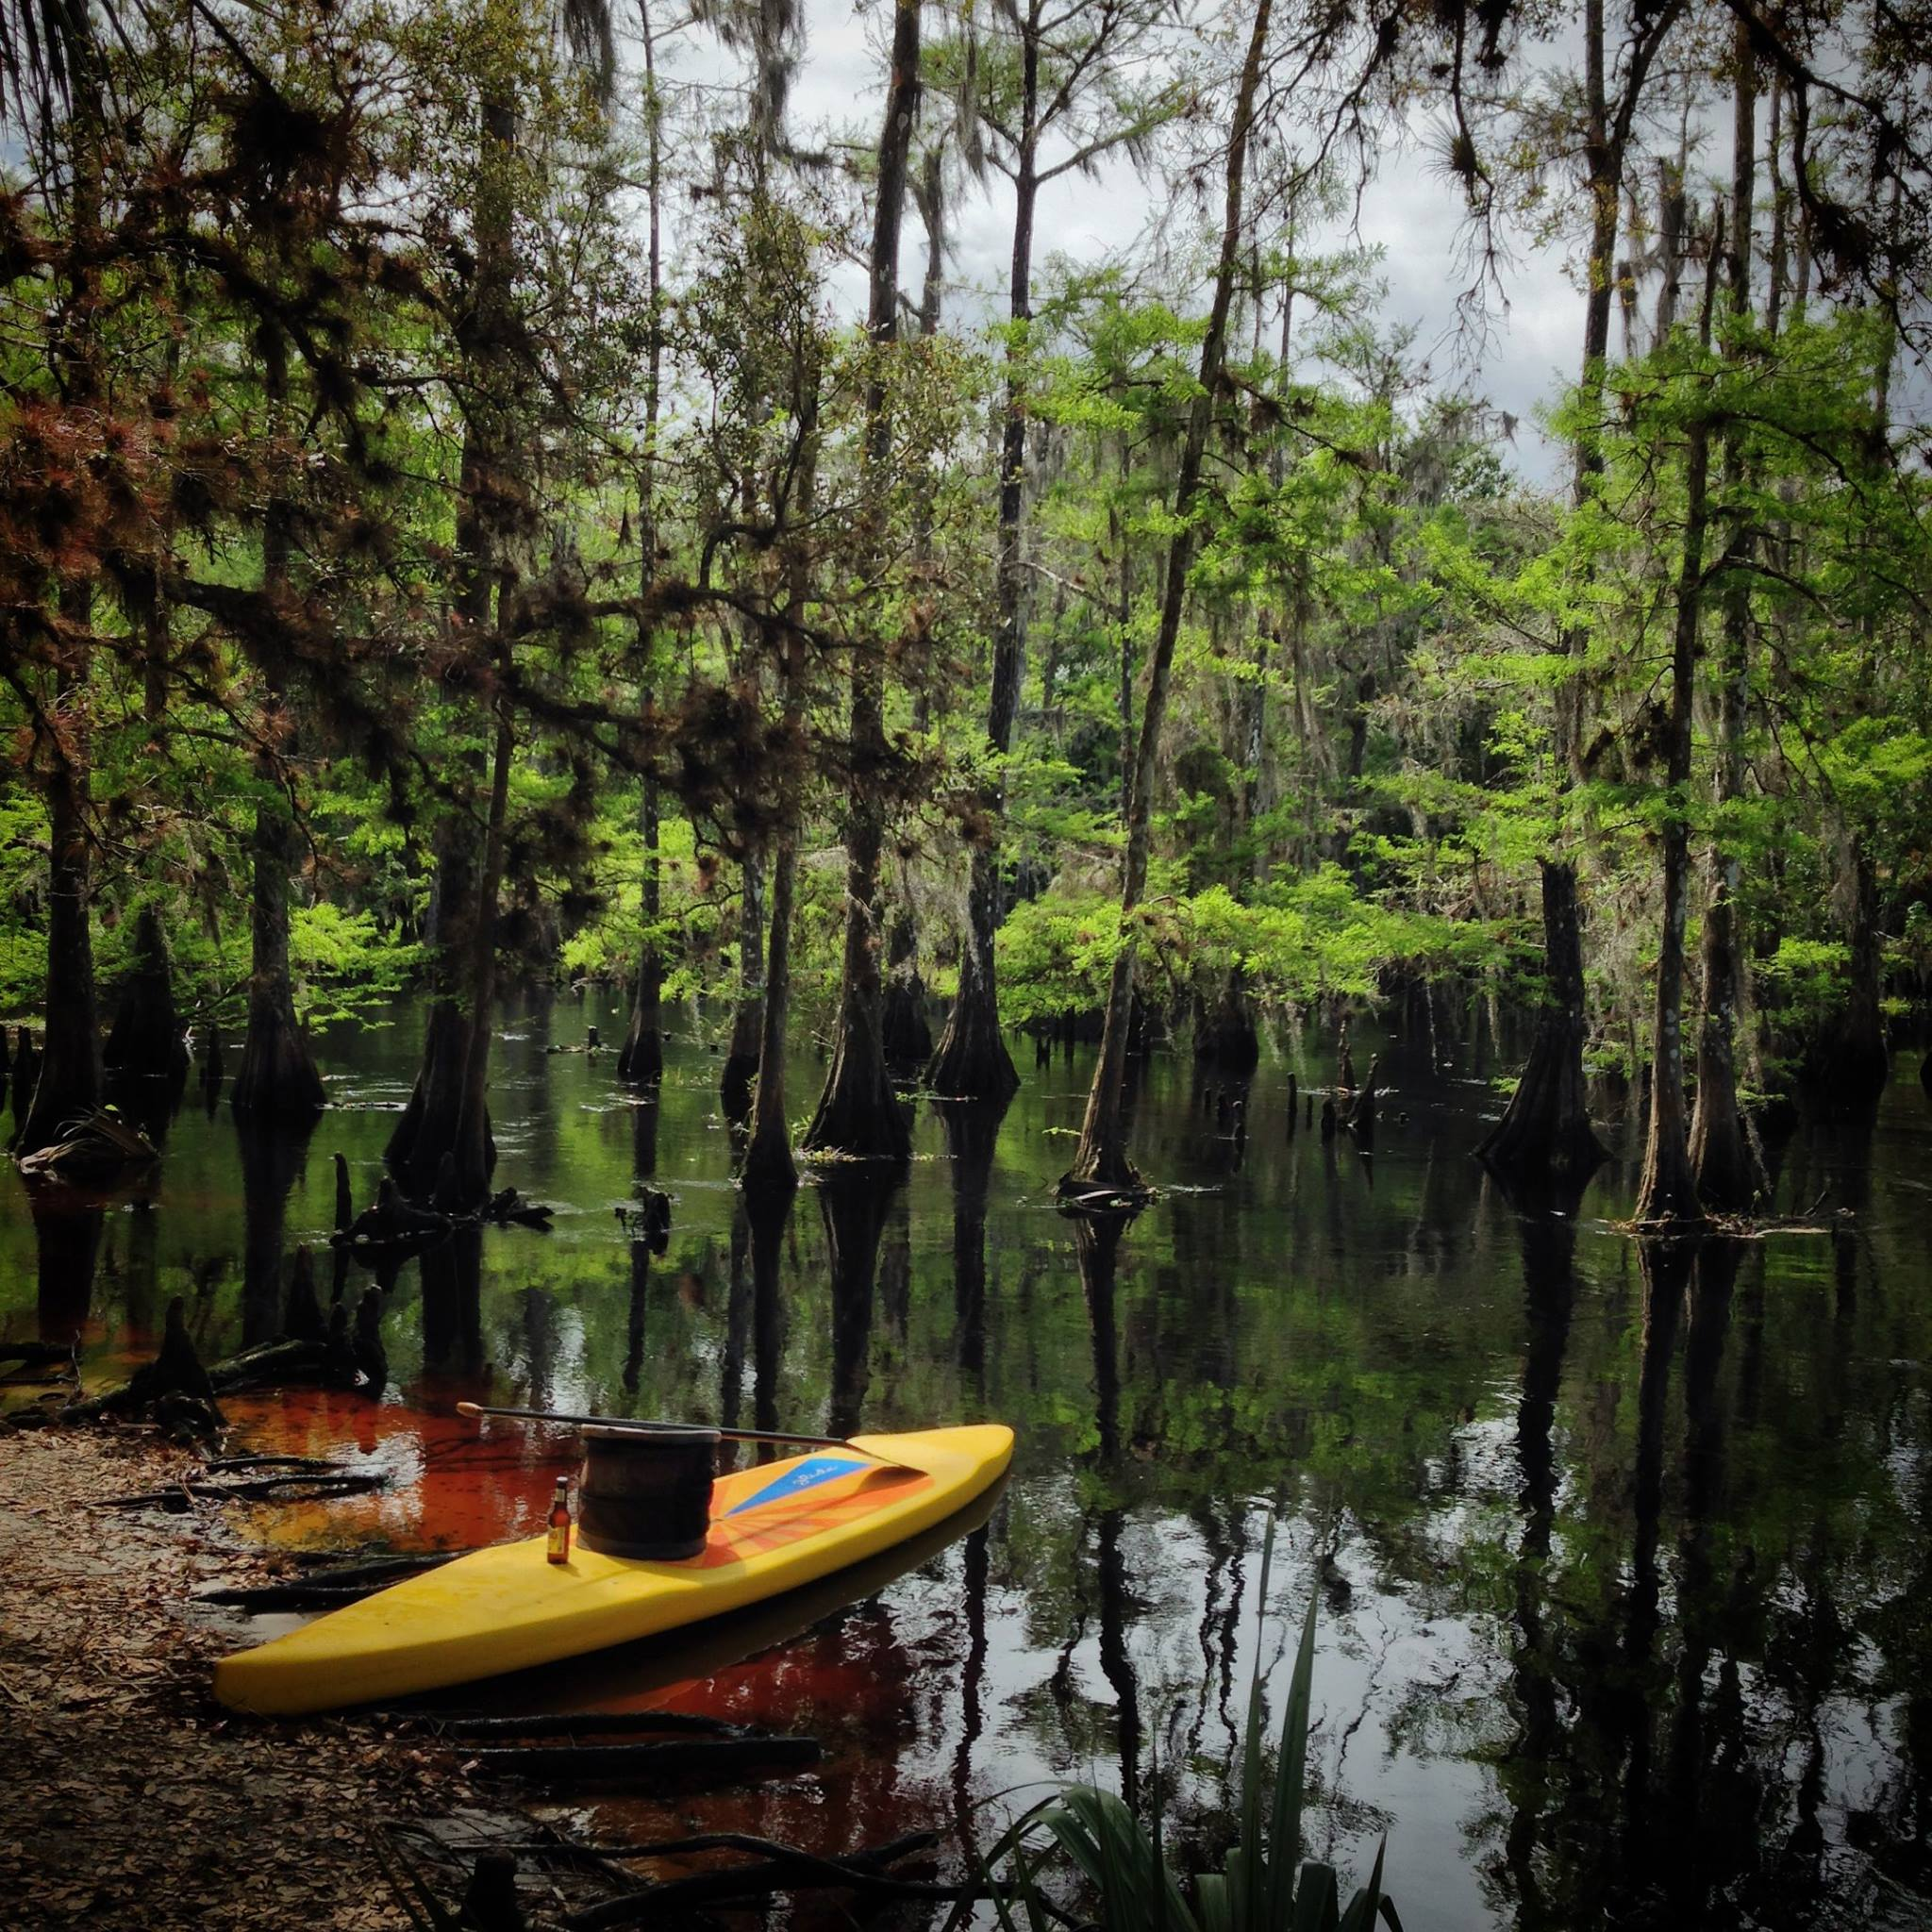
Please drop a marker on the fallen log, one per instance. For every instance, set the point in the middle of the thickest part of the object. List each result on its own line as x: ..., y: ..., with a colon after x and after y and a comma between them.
x: 97, y: 1147
x: 273, y: 1489
x: 393, y: 1226
x: 590, y: 1723
x: 261, y: 1598
x: 322, y: 1590
x: 775, y: 1869
x: 510, y: 1209
x: 628, y: 1763
x: 35, y: 1355
x: 403, y: 1563
x: 309, y: 1465
x: 269, y: 1363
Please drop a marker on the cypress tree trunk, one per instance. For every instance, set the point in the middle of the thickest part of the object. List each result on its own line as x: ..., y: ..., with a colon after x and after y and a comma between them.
x: 277, y: 1077
x: 748, y: 1023
x: 68, y: 1084
x: 428, y: 1128
x: 1101, y: 1159
x: 971, y: 1060
x: 642, y: 1062
x: 767, y: 1161
x: 472, y: 1148
x: 1545, y: 1132
x: 902, y: 1026
x: 1858, y: 1062
x: 906, y: 1031
x: 456, y: 1045
x: 1668, y: 1190
x: 1727, y: 1178
x: 69, y: 1077
x: 859, y: 1113
x: 1550, y: 1132
x: 147, y: 1040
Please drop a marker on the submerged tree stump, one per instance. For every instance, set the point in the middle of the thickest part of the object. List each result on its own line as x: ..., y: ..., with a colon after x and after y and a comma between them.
x: 302, y: 1316
x: 1361, y: 1116
x: 174, y: 1390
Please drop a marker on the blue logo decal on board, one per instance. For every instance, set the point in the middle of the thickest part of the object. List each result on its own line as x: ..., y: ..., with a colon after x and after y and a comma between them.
x: 808, y: 1475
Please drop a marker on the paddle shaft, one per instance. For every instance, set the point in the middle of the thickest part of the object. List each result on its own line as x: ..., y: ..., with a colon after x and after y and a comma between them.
x: 646, y: 1428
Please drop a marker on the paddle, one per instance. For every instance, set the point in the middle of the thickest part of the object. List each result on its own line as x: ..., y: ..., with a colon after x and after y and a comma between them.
x: 645, y: 1428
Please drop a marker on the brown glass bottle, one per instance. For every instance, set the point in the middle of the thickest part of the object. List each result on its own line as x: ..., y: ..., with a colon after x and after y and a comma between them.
x: 559, y: 1551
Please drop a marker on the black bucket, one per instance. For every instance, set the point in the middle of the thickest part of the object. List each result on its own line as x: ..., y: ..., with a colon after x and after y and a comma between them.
x: 646, y: 1492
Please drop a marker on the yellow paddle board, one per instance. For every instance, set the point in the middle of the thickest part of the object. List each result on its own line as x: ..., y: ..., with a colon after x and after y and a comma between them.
x: 507, y: 1607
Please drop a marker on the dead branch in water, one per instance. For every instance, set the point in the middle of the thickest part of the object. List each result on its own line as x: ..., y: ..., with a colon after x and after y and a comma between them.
x: 626, y: 1764
x: 775, y: 1868
x: 296, y: 1487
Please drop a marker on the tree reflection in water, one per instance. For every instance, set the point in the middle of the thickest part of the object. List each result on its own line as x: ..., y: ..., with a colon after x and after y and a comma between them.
x: 1624, y: 1561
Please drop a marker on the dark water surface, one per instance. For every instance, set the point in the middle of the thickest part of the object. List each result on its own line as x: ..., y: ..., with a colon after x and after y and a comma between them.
x: 1625, y: 1563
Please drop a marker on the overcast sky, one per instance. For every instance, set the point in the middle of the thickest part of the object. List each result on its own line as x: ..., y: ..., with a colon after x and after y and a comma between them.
x: 1529, y: 350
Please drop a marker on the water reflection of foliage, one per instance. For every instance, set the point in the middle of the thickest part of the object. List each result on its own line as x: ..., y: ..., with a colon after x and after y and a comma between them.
x: 1445, y: 1394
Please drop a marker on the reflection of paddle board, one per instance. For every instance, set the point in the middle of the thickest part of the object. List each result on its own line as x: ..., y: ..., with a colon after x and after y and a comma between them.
x: 633, y: 1675
x: 772, y: 1529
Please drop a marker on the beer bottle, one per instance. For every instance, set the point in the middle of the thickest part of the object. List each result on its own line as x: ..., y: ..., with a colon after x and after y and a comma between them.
x: 559, y: 1551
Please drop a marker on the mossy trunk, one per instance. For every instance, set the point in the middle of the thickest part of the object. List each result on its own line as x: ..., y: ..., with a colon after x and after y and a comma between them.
x: 903, y: 1025
x: 1545, y: 1132
x: 473, y: 1154
x: 748, y: 1023
x: 642, y: 1062
x: 971, y: 1060
x: 859, y: 1113
x: 1101, y: 1159
x: 1727, y: 1177
x: 1667, y: 1192
x: 428, y: 1128
x: 1857, y: 1063
x: 276, y: 1078
x: 67, y: 1084
x: 147, y: 1040
x: 767, y: 1161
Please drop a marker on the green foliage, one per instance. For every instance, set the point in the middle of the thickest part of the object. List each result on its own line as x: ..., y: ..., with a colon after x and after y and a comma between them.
x: 1403, y: 677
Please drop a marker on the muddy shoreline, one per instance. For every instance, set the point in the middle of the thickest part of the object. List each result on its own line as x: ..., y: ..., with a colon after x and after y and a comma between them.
x: 127, y: 1796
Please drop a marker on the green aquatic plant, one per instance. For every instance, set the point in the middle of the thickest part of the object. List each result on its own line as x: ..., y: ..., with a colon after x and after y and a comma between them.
x: 1093, y: 1837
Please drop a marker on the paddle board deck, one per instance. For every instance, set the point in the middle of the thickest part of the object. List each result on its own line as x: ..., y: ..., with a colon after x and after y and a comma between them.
x: 508, y: 1609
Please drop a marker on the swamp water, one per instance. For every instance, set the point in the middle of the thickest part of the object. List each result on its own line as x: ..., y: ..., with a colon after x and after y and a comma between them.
x: 1625, y: 1564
